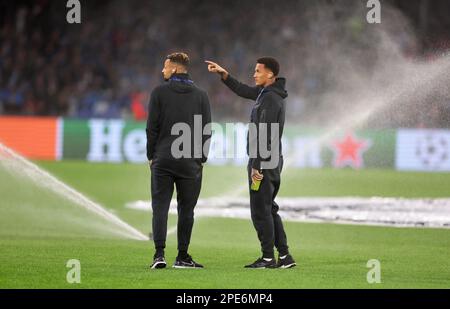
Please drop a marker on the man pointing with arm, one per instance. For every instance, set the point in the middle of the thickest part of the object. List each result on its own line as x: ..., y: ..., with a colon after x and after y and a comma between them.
x: 268, y: 113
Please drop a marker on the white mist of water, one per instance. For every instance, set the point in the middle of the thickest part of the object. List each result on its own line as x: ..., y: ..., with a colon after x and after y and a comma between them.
x: 19, y: 166
x: 371, y: 81
x: 423, y: 81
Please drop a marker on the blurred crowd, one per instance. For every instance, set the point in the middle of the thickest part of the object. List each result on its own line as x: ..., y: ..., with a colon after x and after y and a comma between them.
x: 107, y: 65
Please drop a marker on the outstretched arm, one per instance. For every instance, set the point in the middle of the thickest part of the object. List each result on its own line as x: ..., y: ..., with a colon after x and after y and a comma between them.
x: 237, y: 87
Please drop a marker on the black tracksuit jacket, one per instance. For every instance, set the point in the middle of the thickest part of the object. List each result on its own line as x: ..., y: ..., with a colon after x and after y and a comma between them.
x: 175, y: 101
x: 270, y: 107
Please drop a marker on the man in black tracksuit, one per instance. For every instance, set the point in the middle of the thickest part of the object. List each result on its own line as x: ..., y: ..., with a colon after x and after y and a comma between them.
x: 269, y: 109
x: 177, y: 101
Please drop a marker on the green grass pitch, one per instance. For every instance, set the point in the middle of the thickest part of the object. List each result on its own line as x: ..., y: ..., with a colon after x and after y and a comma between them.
x: 40, y: 232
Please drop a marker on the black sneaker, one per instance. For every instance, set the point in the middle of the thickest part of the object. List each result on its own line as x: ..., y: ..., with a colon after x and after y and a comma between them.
x: 262, y: 263
x: 287, y: 262
x: 158, y: 262
x: 186, y: 262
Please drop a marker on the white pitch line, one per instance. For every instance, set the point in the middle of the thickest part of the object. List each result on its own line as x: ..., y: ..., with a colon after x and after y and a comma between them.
x: 379, y: 211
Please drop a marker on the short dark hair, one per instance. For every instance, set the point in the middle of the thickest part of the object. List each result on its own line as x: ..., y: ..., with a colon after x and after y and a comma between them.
x: 270, y: 63
x: 180, y: 58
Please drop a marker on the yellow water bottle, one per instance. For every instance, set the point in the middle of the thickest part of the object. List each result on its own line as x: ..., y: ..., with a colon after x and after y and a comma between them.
x: 255, y: 184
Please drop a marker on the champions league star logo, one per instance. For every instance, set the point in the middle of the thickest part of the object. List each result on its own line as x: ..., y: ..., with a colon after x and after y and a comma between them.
x: 349, y: 151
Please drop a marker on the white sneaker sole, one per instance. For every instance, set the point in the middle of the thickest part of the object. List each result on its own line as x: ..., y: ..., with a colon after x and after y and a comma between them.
x: 155, y: 266
x: 288, y: 266
x: 185, y: 267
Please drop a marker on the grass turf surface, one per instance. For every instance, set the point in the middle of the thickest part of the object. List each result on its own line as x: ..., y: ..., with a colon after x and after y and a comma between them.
x: 40, y: 232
